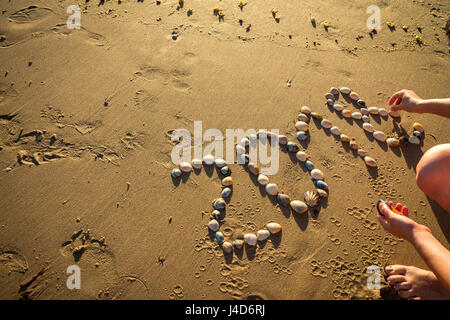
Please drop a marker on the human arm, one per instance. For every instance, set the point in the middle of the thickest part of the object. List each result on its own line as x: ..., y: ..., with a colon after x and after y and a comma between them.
x: 409, y: 101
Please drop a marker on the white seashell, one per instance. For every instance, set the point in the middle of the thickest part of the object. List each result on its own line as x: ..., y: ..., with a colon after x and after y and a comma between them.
x: 317, y: 174
x: 238, y: 243
x: 282, y: 139
x: 336, y: 131
x: 208, y: 159
x: 353, y: 145
x: 253, y: 168
x: 383, y: 112
x: 418, y: 127
x: 175, y: 172
x: 338, y: 107
x: 345, y: 90
x: 213, y: 225
x: 228, y: 181
x: 306, y: 110
x: 301, y: 156
x: 364, y: 111
x: 394, y: 114
x: 220, y: 163
x: 392, y: 142
x: 356, y: 115
x: 370, y: 161
x: 354, y: 96
x: 299, y: 206
x: 365, y: 119
x: 334, y: 91
x: 322, y: 193
x: 329, y: 95
x: 245, y: 142
x: 253, y: 137
x: 345, y: 138
x: 301, y: 126
x: 325, y: 123
x: 262, y: 235
x: 362, y: 152
x: 380, y: 136
x: 303, y: 117
x: 414, y: 140
x: 197, y: 163
x: 250, y: 239
x: 346, y: 113
x: 273, y: 227
x: 272, y: 189
x: 373, y: 110
x: 227, y: 247
x: 368, y: 127
x: 185, y: 167
x: 263, y: 180
x: 240, y: 149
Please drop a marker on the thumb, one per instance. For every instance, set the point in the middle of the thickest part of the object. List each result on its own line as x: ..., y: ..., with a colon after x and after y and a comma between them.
x: 397, y: 108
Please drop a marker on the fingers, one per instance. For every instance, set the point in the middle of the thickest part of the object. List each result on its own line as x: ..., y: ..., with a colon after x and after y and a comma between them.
x: 395, y: 270
x: 397, y: 97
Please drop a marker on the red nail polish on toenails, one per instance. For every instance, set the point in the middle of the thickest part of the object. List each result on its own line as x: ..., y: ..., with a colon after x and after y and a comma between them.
x: 405, y: 211
x: 398, y: 207
x: 391, y: 204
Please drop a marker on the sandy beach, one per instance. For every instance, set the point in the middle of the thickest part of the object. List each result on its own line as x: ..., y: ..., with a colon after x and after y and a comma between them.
x: 86, y: 117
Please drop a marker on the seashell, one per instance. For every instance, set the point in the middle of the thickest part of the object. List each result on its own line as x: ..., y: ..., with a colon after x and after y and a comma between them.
x: 263, y: 180
x: 208, y: 159
x: 325, y: 123
x: 213, y: 225
x: 353, y: 145
x: 330, y: 102
x: 316, y: 116
x: 272, y: 189
x: 368, y: 127
x: 373, y: 110
x: 243, y: 159
x: 365, y: 119
x: 418, y: 134
x: 219, y: 237
x: 322, y: 193
x: 321, y: 184
x: 383, y: 112
x: 238, y: 243
x: 392, y: 142
x: 262, y: 235
x: 303, y: 117
x: 334, y: 91
x: 176, y: 173
x: 245, y: 142
x: 226, y: 171
x: 185, y: 167
x: 253, y: 137
x: 311, y: 199
x: 306, y: 110
x: 282, y: 139
x: 299, y: 206
x: 250, y: 239
x: 262, y: 133
x: 362, y: 152
x: 273, y: 227
x: 253, y: 168
x: 414, y: 140
x: 228, y: 181
x: 418, y: 127
x: 364, y: 111
x: 346, y: 113
x: 283, y: 199
x: 219, y: 204
x: 226, y: 192
x: 196, y: 163
x: 370, y: 161
x: 345, y: 90
x: 292, y: 147
x: 361, y: 103
x: 380, y: 136
x: 357, y: 115
x: 345, y: 138
x: 220, y: 163
x: 338, y: 107
x: 394, y: 114
x: 301, y: 156
x: 216, y: 214
x: 336, y: 131
x: 329, y: 95
x: 301, y: 126
x: 227, y: 247
x: 240, y: 149
x: 302, y: 136
x: 309, y: 165
x: 317, y: 174
x: 354, y: 96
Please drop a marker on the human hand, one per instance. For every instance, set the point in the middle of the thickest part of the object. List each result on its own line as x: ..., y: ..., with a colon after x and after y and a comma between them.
x: 406, y: 100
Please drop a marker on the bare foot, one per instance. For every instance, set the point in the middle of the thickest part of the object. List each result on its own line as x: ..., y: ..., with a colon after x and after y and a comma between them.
x: 415, y: 284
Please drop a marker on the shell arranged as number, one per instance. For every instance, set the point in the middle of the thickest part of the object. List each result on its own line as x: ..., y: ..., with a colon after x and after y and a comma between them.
x: 216, y: 214
x: 335, y: 130
x: 263, y: 180
x: 418, y: 127
x: 303, y: 117
x: 357, y: 115
x: 226, y: 171
x: 213, y: 225
x: 273, y: 227
x: 309, y: 165
x: 282, y: 139
x: 240, y: 149
x: 306, y: 110
x: 299, y: 206
x: 228, y: 181
x: 392, y: 142
x: 301, y: 156
x: 317, y: 174
x: 226, y: 192
x: 322, y: 193
x: 185, y: 167
x: 346, y: 113
x: 208, y: 159
x: 338, y: 107
x: 362, y: 152
x: 370, y: 161
x: 418, y: 134
x: 302, y: 136
x: 365, y: 119
x: 220, y: 163
x: 373, y: 110
x: 283, y: 199
x: 321, y: 184
x: 330, y: 102
x: 238, y: 243
x: 394, y: 114
x: 353, y: 145
x: 354, y: 96
x: 316, y: 116
x: 380, y: 136
x: 334, y: 91
x: 325, y: 123
x: 368, y: 127
x: 312, y: 199
x: 176, y: 173
x: 345, y: 90
x: 253, y: 168
x: 227, y: 247
x: 383, y: 112
x: 196, y: 163
x: 329, y: 95
x: 250, y: 239
x: 413, y: 140
x: 272, y: 189
x: 345, y: 138
x: 245, y: 142
x: 364, y: 111
x: 262, y: 235
x: 301, y: 126
x: 292, y: 147
x: 219, y: 204
x: 361, y: 103
x: 219, y: 237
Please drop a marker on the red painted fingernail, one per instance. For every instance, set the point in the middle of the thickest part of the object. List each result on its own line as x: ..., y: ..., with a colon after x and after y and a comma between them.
x: 391, y: 203
x: 405, y: 211
x: 398, y: 101
x: 398, y: 207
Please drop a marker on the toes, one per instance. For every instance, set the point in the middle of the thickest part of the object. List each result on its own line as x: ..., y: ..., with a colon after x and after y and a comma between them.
x: 395, y: 269
x: 402, y: 286
x: 405, y: 294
